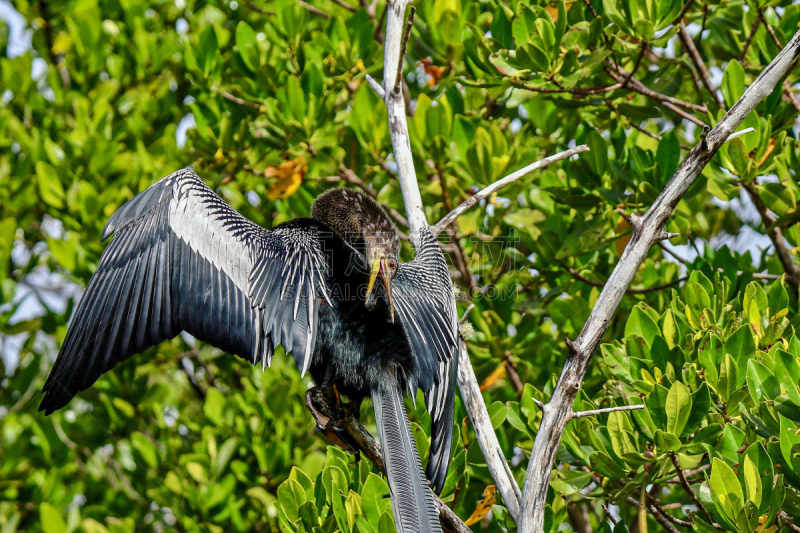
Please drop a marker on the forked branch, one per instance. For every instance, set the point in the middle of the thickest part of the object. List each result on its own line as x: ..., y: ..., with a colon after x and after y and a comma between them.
x: 647, y: 232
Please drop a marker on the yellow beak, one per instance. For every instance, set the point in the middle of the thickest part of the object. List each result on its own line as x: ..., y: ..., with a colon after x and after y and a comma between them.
x: 379, y: 268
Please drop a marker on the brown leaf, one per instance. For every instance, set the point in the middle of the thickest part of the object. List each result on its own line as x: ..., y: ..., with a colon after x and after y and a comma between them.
x: 289, y: 177
x: 484, y: 506
x: 435, y: 72
x: 491, y: 379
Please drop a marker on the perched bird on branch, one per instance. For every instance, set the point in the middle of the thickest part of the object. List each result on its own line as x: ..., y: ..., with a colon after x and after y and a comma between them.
x: 331, y: 289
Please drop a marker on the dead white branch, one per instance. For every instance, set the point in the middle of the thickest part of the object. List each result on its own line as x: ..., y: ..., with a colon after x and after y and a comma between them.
x: 499, y: 184
x: 605, y: 411
x: 391, y: 93
x: 646, y: 232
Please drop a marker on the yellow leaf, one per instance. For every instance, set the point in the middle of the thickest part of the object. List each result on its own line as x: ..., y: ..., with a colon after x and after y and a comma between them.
x: 622, y: 242
x: 219, y: 155
x: 491, y: 379
x: 62, y: 43
x: 289, y: 178
x: 484, y: 506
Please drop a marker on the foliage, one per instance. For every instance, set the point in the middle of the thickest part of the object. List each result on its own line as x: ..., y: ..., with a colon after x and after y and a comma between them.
x: 189, y: 438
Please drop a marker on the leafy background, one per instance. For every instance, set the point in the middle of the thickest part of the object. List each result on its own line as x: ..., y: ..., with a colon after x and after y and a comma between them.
x: 267, y: 101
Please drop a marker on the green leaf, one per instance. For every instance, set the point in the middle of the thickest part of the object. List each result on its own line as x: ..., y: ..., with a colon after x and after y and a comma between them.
x: 733, y: 83
x: 641, y: 323
x: 667, y: 442
x: 501, y: 26
x: 742, y: 347
x: 604, y: 465
x: 49, y: 185
x: 207, y: 48
x: 51, y: 519
x: 761, y: 382
x: 678, y: 407
x: 213, y: 406
x: 725, y: 488
x: 752, y: 481
x: 290, y: 497
x: 247, y: 45
x: 373, y: 502
x: 598, y: 153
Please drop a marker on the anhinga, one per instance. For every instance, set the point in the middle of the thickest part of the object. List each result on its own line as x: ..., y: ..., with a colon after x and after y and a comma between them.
x: 184, y: 260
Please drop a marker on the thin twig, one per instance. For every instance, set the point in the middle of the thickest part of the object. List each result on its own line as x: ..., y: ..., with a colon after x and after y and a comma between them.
x: 450, y: 217
x: 233, y: 98
x: 594, y: 412
x: 406, y: 35
x: 775, y: 234
x: 659, y: 518
x: 635, y: 85
x: 787, y: 89
x: 686, y: 7
x: 787, y: 521
x: 342, y: 3
x: 688, y: 489
x: 694, y: 54
x: 648, y: 230
x: 678, y: 258
x: 748, y: 42
x: 578, y: 276
x: 313, y: 9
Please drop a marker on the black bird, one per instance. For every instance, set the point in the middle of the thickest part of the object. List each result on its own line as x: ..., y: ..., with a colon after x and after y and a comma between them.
x: 184, y: 260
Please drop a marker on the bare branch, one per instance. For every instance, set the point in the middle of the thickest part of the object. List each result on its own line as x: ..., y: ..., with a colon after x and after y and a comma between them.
x: 753, y: 30
x: 406, y: 35
x: 620, y: 75
x: 233, y: 98
x: 558, y: 410
x: 583, y: 279
x: 594, y: 412
x: 705, y: 76
x: 688, y: 489
x: 342, y: 3
x: 484, y: 433
x: 787, y: 521
x: 775, y: 234
x: 787, y: 89
x: 376, y: 87
x: 313, y: 9
x: 499, y: 184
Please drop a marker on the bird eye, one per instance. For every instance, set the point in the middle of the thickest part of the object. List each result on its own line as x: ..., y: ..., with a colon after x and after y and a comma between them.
x: 392, y: 265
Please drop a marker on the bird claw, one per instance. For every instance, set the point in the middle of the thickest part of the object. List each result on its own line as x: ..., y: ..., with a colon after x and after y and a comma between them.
x: 326, y: 426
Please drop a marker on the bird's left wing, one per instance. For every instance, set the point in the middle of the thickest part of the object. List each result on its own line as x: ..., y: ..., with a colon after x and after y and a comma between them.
x: 183, y: 259
x: 425, y: 303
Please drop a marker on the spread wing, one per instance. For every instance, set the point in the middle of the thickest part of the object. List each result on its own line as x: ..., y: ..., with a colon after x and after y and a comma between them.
x: 183, y: 259
x: 425, y: 303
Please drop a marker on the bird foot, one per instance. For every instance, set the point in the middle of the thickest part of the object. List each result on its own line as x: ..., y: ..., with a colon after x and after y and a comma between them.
x: 325, y: 423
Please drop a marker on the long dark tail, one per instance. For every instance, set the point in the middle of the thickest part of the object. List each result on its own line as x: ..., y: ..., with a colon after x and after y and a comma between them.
x: 412, y: 499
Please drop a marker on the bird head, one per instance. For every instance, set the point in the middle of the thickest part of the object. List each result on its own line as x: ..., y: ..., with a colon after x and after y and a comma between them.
x: 383, y: 262
x: 364, y: 225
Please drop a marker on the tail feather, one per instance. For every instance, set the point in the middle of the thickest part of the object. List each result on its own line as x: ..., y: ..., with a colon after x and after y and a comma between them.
x: 412, y: 499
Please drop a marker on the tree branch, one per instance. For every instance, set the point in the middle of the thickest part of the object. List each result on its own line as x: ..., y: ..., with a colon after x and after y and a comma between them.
x: 450, y: 217
x: 705, y: 76
x: 594, y: 412
x: 578, y: 276
x: 233, y: 98
x: 688, y: 489
x: 776, y: 236
x: 787, y: 89
x: 647, y: 232
x: 484, y: 433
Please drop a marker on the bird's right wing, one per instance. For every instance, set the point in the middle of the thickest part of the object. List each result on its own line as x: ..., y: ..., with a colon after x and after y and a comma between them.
x: 425, y: 303
x: 183, y: 259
